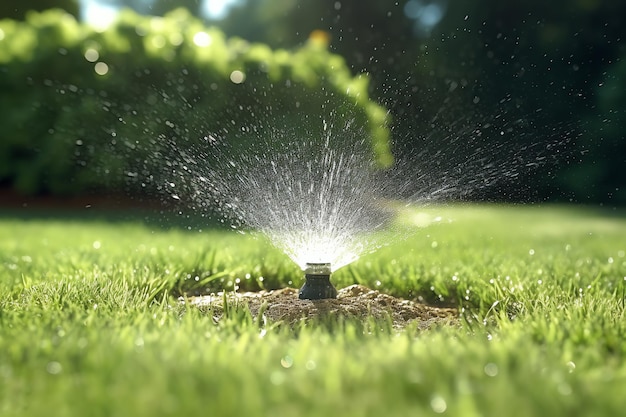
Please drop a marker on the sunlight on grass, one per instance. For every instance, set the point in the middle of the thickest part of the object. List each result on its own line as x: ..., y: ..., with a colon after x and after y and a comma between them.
x: 90, y: 323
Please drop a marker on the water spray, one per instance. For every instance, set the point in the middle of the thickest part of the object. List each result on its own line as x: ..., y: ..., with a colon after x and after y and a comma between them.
x: 317, y: 285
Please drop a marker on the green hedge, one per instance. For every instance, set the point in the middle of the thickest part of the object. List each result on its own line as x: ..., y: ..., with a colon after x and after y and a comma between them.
x: 83, y: 109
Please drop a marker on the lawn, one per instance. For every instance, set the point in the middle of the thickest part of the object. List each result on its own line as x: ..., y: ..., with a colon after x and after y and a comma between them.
x: 91, y: 323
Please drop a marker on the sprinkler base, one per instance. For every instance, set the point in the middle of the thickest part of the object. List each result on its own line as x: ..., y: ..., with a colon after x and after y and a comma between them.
x: 317, y: 287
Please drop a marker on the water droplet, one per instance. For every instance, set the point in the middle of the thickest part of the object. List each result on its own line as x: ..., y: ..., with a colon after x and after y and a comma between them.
x: 237, y: 77
x: 491, y: 369
x: 571, y: 366
x: 101, y: 68
x: 438, y: 404
x: 286, y: 361
x: 96, y: 244
x: 54, y: 368
x: 91, y: 55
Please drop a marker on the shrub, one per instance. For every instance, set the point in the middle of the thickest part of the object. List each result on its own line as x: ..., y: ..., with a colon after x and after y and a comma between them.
x: 83, y: 109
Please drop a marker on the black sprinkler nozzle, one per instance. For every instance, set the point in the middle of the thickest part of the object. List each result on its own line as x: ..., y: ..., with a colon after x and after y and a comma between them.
x: 317, y: 285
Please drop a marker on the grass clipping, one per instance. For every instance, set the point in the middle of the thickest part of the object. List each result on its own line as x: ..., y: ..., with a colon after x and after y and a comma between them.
x: 355, y: 302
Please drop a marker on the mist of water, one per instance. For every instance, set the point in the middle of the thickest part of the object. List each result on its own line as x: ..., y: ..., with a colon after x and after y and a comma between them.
x: 318, y: 194
x: 320, y: 199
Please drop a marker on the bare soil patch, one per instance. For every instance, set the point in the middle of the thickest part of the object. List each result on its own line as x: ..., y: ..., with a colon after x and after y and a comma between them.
x: 353, y: 302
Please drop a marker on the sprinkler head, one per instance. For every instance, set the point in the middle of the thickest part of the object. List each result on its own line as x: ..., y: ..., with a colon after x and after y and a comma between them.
x: 317, y: 285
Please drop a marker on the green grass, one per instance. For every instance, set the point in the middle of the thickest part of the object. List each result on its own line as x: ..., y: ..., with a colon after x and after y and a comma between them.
x: 90, y: 324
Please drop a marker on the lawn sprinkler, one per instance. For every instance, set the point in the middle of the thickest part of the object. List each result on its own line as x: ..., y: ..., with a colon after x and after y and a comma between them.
x: 317, y: 285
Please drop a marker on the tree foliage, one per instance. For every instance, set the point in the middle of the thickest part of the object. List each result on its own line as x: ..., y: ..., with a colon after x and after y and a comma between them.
x: 17, y: 9
x: 446, y: 68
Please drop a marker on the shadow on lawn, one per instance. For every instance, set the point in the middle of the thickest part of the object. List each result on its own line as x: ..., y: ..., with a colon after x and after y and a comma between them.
x: 155, y: 213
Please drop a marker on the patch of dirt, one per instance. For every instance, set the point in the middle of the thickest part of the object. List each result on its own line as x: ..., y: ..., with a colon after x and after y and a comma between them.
x: 353, y: 302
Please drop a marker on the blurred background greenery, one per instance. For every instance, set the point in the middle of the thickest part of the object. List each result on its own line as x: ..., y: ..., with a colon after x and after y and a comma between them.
x: 91, y: 107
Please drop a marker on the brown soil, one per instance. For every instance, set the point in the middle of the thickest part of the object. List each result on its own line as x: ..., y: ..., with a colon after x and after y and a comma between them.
x: 353, y: 302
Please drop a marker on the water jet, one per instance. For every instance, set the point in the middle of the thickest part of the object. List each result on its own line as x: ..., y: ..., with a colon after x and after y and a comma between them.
x: 317, y: 284
x: 318, y: 194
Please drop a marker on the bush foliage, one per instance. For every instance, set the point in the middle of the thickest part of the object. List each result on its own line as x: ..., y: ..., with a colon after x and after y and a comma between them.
x: 83, y: 108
